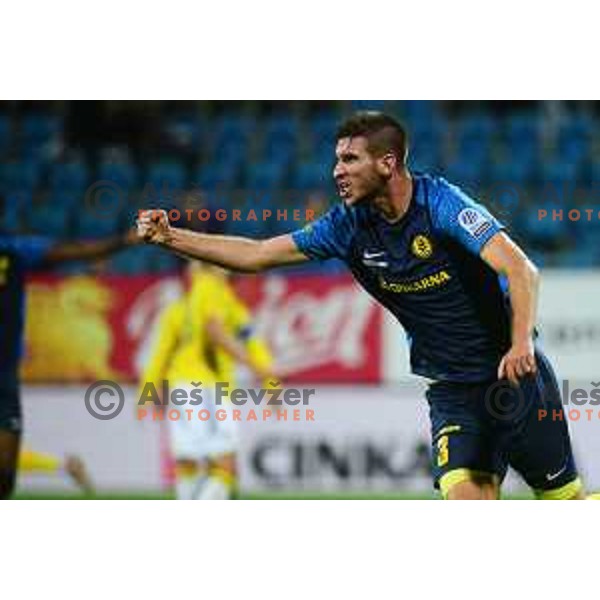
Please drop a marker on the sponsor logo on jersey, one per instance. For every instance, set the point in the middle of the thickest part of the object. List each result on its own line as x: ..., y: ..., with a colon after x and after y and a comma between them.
x: 474, y: 221
x: 421, y: 246
x: 418, y: 285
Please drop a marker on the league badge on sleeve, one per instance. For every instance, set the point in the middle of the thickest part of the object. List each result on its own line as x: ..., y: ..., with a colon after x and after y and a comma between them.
x: 474, y: 221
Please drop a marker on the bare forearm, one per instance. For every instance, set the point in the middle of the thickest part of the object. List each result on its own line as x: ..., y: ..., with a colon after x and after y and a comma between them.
x: 240, y: 254
x: 235, y: 253
x: 86, y: 250
x: 231, y: 252
x: 523, y: 286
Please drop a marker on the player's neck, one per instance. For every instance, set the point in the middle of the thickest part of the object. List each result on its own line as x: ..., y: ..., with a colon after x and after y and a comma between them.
x: 394, y: 204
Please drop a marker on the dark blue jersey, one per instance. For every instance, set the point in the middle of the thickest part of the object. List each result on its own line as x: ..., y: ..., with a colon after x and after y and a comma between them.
x: 18, y: 254
x: 427, y: 271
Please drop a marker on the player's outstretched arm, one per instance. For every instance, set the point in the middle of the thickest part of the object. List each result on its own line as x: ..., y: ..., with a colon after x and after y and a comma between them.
x: 89, y: 250
x: 235, y: 253
x: 506, y: 258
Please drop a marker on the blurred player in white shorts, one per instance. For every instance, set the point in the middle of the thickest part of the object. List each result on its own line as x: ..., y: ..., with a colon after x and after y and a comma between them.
x: 201, y: 337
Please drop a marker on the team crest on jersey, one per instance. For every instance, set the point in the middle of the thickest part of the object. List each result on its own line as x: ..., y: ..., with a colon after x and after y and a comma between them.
x: 421, y: 246
x: 474, y: 221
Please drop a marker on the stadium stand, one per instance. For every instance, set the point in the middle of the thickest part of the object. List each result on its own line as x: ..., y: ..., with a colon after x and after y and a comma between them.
x: 271, y: 155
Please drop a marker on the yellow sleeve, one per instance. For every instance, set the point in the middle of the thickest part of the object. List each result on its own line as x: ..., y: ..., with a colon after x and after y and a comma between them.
x: 162, y: 350
x: 36, y: 462
x: 260, y: 355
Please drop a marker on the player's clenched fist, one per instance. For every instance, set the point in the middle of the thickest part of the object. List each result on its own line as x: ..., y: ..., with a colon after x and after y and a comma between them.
x: 153, y: 225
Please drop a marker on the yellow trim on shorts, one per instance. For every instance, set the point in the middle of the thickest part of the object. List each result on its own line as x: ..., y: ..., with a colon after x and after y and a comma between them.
x: 566, y: 492
x: 456, y: 476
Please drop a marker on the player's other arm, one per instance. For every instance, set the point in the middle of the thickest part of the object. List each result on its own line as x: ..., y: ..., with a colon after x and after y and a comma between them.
x: 219, y: 336
x: 506, y: 258
x: 235, y: 253
x: 88, y: 250
x: 471, y: 224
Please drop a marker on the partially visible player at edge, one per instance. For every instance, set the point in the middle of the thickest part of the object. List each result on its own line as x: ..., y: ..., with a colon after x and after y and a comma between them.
x: 20, y: 254
x: 465, y: 293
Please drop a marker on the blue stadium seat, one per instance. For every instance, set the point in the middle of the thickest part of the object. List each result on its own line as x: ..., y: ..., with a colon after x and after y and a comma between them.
x: 233, y: 127
x: 430, y: 132
x: 38, y: 128
x: 48, y: 220
x: 322, y: 128
x: 72, y: 175
x: 574, y: 139
x: 282, y: 152
x: 281, y: 136
x: 19, y: 176
x: 512, y: 171
x: 545, y: 232
x: 425, y: 153
x: 68, y: 200
x: 522, y: 136
x: 212, y: 176
x: 468, y: 174
x: 265, y: 176
x: 558, y: 181
x: 90, y: 224
x: 185, y: 130
x: 477, y: 125
x: 368, y: 105
x: 5, y: 133
x: 14, y: 210
x: 125, y: 174
x: 418, y: 112
x: 475, y: 137
x: 282, y: 126
x: 310, y: 176
x: 230, y: 151
x: 128, y: 262
x: 166, y: 178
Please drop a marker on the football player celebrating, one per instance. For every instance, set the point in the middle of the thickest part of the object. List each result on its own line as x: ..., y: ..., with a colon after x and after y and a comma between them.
x: 463, y: 290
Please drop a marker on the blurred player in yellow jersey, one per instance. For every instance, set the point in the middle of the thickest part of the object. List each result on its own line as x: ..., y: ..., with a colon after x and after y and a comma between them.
x: 201, y: 337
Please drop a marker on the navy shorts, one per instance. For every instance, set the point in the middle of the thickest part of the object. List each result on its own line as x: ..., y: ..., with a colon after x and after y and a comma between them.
x: 490, y: 426
x: 10, y: 403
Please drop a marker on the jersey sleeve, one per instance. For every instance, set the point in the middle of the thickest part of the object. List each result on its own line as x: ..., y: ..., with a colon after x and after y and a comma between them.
x: 458, y: 216
x: 32, y: 249
x: 328, y: 237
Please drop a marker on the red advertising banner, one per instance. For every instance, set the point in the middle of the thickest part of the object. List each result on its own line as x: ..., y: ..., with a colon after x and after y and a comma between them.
x: 83, y: 328
x: 320, y: 328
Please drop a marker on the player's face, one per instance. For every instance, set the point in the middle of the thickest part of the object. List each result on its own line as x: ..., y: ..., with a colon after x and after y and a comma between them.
x: 357, y: 173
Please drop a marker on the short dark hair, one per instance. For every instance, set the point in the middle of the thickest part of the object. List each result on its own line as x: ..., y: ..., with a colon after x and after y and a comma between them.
x: 384, y: 133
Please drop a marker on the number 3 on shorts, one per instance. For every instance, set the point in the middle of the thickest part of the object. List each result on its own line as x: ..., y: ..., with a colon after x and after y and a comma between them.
x: 442, y: 451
